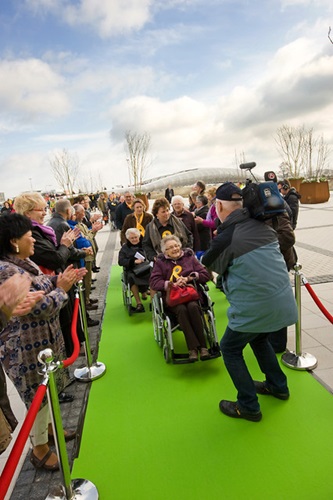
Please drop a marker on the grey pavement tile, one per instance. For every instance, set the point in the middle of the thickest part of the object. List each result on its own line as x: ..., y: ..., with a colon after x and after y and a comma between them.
x: 313, y: 321
x: 306, y: 342
x: 324, y: 335
x: 324, y: 357
x: 325, y: 376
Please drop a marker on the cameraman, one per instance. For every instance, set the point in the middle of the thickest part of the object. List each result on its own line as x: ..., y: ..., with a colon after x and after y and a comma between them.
x: 256, y: 282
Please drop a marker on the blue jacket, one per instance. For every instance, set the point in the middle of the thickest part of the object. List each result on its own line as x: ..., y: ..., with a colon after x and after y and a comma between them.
x: 254, y: 275
x: 81, y: 241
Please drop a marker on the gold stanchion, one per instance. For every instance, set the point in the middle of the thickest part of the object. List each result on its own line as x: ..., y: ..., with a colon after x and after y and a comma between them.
x: 80, y: 489
x: 92, y: 370
x: 296, y: 359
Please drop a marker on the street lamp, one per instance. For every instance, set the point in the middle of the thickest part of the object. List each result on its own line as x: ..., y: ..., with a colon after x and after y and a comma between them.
x: 30, y: 179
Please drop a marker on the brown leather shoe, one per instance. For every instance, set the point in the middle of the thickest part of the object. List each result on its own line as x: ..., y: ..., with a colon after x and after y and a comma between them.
x: 193, y: 355
x: 204, y: 353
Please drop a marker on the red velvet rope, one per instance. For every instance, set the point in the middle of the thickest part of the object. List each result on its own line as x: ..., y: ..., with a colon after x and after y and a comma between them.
x: 317, y: 301
x: 76, y: 343
x: 15, y: 454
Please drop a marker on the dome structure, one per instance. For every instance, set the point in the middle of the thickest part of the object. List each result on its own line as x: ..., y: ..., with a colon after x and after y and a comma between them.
x: 208, y: 175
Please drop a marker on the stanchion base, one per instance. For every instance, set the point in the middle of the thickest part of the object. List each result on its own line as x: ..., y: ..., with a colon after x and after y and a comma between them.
x: 86, y: 374
x: 295, y: 361
x: 82, y: 490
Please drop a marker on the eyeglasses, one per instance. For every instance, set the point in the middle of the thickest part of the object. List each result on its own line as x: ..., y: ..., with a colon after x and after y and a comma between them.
x: 40, y: 209
x: 172, y: 248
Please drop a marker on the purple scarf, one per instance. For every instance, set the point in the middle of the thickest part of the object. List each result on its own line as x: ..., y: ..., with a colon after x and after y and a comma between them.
x: 47, y: 231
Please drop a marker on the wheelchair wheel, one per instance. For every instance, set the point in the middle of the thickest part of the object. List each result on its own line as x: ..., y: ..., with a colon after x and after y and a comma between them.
x: 210, y: 329
x: 127, y: 297
x: 157, y: 324
x: 167, y: 353
x: 123, y: 285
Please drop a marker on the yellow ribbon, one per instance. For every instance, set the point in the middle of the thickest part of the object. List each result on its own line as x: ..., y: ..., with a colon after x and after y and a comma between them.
x: 176, y: 272
x: 139, y: 226
x: 165, y: 233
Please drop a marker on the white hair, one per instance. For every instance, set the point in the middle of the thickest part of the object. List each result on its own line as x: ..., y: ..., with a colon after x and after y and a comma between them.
x: 132, y: 230
x: 177, y: 197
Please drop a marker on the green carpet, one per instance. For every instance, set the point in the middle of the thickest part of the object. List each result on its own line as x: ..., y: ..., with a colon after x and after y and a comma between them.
x: 153, y: 431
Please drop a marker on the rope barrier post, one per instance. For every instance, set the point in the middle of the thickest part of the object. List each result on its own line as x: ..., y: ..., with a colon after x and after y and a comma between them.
x: 296, y: 359
x: 78, y: 488
x: 92, y: 370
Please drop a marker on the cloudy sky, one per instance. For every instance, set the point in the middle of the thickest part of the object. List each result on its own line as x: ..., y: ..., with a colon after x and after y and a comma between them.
x: 208, y: 79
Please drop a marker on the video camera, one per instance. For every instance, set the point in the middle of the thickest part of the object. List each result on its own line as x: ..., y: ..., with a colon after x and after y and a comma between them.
x: 262, y: 199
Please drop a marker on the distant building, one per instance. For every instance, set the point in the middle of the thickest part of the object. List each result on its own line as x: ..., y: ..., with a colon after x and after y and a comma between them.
x: 189, y: 177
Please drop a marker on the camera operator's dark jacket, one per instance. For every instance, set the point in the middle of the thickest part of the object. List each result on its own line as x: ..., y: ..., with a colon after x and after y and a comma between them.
x: 292, y: 198
x: 255, y: 278
x: 282, y: 225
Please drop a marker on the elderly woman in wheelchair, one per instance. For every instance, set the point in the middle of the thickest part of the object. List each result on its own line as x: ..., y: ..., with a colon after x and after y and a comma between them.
x: 136, y: 269
x: 181, y: 267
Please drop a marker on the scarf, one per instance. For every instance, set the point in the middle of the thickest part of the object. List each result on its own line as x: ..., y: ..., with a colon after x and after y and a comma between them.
x: 139, y: 225
x: 47, y: 231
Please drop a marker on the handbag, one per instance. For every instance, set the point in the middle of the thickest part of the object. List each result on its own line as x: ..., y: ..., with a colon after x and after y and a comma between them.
x: 5, y: 432
x: 180, y: 295
x: 142, y: 268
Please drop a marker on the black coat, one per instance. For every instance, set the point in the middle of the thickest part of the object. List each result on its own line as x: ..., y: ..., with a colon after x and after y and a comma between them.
x: 122, y: 210
x: 126, y: 258
x: 204, y: 232
x: 46, y: 254
x: 292, y: 198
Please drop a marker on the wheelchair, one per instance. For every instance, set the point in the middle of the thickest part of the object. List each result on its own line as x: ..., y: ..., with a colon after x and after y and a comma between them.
x: 127, y: 294
x: 165, y: 324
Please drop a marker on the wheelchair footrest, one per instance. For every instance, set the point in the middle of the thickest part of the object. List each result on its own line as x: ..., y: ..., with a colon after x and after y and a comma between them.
x: 180, y: 358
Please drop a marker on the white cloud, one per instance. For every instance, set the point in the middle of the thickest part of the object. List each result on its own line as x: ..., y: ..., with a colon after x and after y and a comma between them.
x: 30, y: 88
x: 314, y: 3
x: 107, y: 17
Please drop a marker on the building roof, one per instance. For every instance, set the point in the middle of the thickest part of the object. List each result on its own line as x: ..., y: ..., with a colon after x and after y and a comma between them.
x: 208, y: 175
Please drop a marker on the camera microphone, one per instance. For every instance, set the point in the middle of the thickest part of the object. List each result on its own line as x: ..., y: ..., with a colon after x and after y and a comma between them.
x: 247, y: 166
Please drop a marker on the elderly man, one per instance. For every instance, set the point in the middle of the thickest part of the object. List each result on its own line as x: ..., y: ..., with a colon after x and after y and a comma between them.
x: 186, y: 216
x: 123, y: 209
x: 59, y: 221
x: 255, y: 280
x: 87, y: 238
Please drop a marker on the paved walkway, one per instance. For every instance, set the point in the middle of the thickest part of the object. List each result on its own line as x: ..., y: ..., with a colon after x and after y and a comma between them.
x: 314, y: 236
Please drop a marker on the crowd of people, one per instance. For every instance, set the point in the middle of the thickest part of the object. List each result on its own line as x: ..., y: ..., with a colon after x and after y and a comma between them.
x: 47, y: 251
x: 47, y: 245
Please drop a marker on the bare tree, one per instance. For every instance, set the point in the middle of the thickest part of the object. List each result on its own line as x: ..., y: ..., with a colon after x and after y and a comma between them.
x: 290, y: 143
x: 137, y: 148
x: 317, y: 158
x: 303, y: 154
x: 65, y: 168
